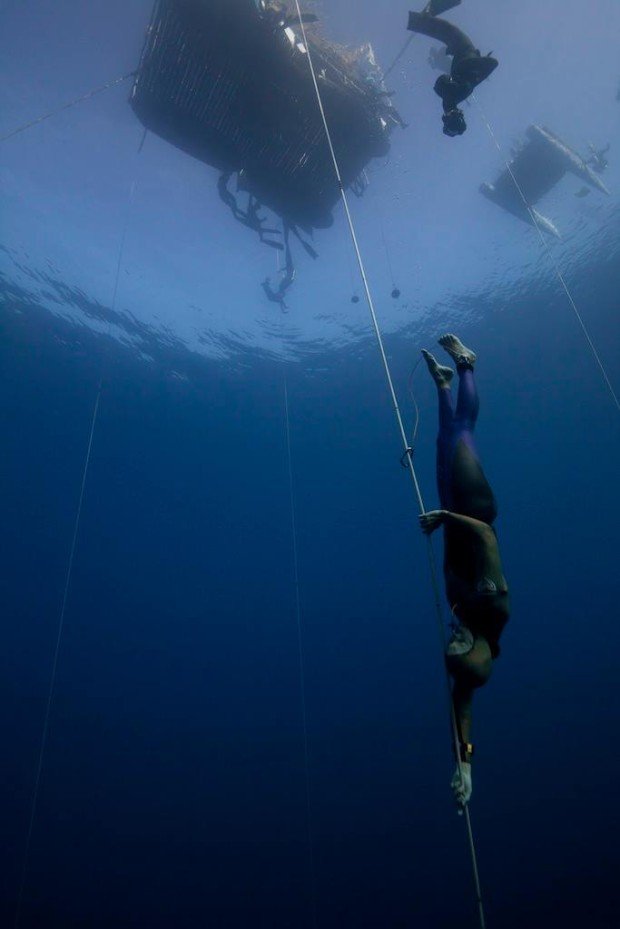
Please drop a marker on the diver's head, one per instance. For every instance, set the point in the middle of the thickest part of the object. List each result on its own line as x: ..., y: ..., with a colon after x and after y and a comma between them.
x: 468, y: 659
x: 454, y: 123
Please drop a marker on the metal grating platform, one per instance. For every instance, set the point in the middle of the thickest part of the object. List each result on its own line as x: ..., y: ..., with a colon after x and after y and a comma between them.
x: 219, y: 81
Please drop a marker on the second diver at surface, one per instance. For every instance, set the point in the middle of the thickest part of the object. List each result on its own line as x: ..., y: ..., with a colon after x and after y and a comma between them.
x: 469, y: 68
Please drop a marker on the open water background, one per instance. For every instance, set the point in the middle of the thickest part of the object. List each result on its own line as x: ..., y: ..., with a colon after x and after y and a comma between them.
x: 173, y: 786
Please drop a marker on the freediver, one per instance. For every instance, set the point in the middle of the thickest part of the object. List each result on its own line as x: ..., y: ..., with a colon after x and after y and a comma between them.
x: 277, y: 296
x: 475, y: 584
x: 288, y: 276
x: 469, y: 68
x: 225, y: 195
x: 250, y: 217
x: 254, y: 221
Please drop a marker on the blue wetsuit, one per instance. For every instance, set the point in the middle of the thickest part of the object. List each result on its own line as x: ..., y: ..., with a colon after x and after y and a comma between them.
x: 463, y: 487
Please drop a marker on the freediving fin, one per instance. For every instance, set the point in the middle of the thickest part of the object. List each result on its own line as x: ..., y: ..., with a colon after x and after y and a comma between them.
x: 437, y: 7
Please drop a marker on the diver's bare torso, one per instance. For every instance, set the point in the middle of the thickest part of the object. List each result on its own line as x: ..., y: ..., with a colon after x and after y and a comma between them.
x: 475, y: 583
x: 472, y: 561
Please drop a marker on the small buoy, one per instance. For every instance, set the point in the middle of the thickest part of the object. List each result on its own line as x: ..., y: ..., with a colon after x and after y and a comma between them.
x: 395, y: 293
x: 355, y: 299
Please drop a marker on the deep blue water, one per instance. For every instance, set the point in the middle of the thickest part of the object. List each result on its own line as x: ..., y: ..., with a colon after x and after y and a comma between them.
x: 173, y: 784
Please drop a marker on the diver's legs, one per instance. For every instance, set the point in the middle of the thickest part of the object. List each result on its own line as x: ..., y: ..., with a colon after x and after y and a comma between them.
x: 468, y: 405
x: 469, y: 661
x: 442, y: 375
x: 469, y: 490
x: 459, y: 353
x: 444, y: 445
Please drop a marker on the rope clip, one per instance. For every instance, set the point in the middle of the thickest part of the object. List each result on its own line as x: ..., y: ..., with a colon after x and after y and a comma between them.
x: 406, y: 457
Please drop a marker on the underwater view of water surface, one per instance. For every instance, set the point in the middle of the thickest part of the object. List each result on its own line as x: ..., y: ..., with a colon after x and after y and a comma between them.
x: 225, y: 701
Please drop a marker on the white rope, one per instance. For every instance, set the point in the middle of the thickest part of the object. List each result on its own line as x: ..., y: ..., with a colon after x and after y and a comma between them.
x: 403, y: 435
x: 302, y: 672
x: 67, y: 106
x: 400, y: 54
x: 54, y: 671
x: 558, y: 270
x: 67, y: 586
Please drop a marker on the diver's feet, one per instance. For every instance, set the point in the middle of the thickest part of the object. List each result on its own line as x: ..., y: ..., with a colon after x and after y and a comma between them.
x: 457, y: 351
x: 441, y: 374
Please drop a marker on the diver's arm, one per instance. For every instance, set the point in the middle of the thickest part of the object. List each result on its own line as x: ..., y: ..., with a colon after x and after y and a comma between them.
x: 461, y: 783
x: 462, y: 697
x: 431, y: 521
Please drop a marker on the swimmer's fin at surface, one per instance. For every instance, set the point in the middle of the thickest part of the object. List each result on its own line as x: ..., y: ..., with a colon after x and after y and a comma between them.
x: 437, y: 7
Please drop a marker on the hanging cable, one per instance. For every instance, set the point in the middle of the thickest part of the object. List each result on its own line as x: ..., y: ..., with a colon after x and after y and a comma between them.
x: 395, y: 290
x: 403, y: 435
x: 67, y: 106
x: 415, y: 404
x: 300, y: 650
x: 399, y: 56
x: 53, y: 675
x: 354, y: 295
x: 414, y: 432
x: 142, y: 140
x: 66, y: 590
x: 547, y: 250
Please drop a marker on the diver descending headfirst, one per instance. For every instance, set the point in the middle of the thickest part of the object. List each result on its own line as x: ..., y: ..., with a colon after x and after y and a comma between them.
x: 475, y: 584
x: 288, y: 275
x: 469, y: 67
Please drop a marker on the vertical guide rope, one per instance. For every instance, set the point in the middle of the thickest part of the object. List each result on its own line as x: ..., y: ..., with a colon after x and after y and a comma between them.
x: 403, y: 434
x: 65, y: 595
x: 53, y: 675
x: 547, y: 250
x: 300, y: 648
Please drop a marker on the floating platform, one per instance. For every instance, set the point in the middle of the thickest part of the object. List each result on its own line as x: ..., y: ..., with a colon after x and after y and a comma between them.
x: 539, y: 164
x: 228, y: 82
